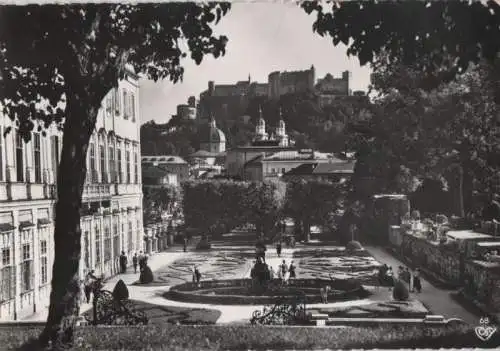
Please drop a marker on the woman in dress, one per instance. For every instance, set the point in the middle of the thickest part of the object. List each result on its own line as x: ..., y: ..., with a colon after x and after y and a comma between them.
x: 291, y: 271
x: 417, y: 284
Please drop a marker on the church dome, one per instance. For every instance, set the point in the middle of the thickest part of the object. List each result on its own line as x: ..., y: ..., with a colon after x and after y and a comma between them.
x: 211, y: 134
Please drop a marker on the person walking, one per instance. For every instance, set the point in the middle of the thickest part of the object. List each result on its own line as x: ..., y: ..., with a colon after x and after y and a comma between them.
x: 142, y: 261
x: 90, y: 279
x: 185, y: 244
x: 283, y: 269
x: 135, y: 261
x: 123, y: 262
x: 390, y: 277
x: 278, y: 248
x: 417, y: 284
x: 291, y: 271
x: 197, y: 275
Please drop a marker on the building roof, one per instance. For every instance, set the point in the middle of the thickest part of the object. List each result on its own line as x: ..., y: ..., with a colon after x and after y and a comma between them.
x: 323, y: 168
x: 207, y: 154
x: 293, y: 155
x: 163, y: 159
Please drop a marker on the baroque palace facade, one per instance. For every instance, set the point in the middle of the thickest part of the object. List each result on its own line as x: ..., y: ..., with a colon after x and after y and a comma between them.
x: 111, y: 218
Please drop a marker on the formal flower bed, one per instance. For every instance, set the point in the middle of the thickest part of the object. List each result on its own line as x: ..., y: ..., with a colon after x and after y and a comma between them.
x: 157, y: 314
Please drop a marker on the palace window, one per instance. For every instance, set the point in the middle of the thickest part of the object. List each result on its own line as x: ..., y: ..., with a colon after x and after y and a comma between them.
x: 26, y: 268
x: 37, y: 157
x: 136, y: 167
x: 44, y: 276
x: 127, y: 165
x: 132, y: 106
x: 130, y: 239
x: 117, y: 101
x: 126, y: 110
x: 119, y: 163
x: 102, y: 155
x: 19, y: 157
x: 93, y: 168
x: 116, y: 238
x: 86, y: 252
x: 7, y: 276
x: 109, y: 105
x: 97, y: 246
x: 138, y: 236
x: 55, y: 155
x: 111, y: 151
x: 107, y: 240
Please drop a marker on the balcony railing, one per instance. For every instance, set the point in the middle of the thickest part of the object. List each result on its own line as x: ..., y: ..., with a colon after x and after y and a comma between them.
x: 97, y: 191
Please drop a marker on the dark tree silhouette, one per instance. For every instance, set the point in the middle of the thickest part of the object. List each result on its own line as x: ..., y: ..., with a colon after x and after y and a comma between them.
x: 440, y: 37
x: 67, y: 59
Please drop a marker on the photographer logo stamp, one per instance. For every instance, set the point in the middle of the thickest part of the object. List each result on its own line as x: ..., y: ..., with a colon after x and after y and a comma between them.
x: 485, y: 331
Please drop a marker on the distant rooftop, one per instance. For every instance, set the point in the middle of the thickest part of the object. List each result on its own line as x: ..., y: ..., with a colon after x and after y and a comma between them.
x: 163, y: 159
x: 326, y: 168
x: 207, y: 154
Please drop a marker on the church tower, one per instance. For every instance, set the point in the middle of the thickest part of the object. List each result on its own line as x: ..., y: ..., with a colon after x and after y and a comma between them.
x: 260, y: 129
x: 281, y: 131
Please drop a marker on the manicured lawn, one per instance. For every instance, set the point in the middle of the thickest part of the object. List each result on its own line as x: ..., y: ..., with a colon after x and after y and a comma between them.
x: 174, y: 315
x: 244, y: 337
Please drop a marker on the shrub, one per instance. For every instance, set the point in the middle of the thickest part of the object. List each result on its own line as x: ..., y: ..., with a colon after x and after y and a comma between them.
x: 203, y: 245
x: 120, y: 292
x: 353, y: 246
x: 146, y: 276
x: 400, y: 291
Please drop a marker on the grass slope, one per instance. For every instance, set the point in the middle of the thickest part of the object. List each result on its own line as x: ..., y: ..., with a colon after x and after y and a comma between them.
x: 157, y: 337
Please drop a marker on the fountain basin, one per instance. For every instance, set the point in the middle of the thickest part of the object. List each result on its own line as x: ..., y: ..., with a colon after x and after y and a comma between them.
x: 241, y: 291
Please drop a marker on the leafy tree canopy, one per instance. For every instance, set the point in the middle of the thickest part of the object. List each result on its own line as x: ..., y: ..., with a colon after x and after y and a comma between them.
x: 441, y: 37
x: 65, y: 48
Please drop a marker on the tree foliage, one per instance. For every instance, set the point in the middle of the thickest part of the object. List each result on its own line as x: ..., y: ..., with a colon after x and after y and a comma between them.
x: 440, y: 37
x: 314, y: 202
x: 229, y: 204
x: 416, y: 133
x: 60, y: 69
x: 159, y: 201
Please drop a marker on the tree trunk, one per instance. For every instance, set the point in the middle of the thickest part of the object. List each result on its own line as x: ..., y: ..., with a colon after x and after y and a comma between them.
x: 65, y: 295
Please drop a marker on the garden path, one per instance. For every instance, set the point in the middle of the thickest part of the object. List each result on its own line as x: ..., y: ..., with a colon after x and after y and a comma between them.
x: 436, y: 299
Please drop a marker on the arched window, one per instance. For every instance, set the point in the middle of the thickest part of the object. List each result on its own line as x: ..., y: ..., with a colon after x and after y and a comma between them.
x: 102, y: 158
x: 111, y: 157
x: 93, y: 166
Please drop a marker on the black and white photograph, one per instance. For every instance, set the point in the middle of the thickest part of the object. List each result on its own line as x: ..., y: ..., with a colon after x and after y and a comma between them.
x: 249, y: 175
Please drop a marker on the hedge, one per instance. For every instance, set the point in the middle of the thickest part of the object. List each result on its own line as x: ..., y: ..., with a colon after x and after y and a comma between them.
x: 218, y: 206
x: 245, y: 337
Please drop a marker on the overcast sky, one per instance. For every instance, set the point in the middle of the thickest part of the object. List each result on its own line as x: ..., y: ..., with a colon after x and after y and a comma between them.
x: 263, y: 37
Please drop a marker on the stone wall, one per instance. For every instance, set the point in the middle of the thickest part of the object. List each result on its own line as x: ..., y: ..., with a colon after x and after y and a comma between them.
x: 431, y: 256
x: 482, y: 282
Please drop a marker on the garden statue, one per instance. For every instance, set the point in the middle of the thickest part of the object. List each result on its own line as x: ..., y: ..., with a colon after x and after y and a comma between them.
x: 260, y: 250
x: 260, y: 274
